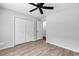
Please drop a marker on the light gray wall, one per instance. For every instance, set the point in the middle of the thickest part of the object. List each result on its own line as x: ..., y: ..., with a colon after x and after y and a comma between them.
x: 62, y: 28
x: 7, y: 26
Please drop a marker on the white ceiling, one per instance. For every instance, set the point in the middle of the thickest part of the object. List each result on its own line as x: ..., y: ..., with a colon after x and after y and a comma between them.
x: 25, y: 7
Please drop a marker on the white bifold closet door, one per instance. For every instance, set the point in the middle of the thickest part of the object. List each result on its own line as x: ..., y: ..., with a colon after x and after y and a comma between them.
x: 39, y: 30
x: 24, y: 30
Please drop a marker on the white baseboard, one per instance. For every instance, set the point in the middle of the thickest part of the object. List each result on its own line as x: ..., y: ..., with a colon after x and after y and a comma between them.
x: 50, y: 42
x: 6, y: 47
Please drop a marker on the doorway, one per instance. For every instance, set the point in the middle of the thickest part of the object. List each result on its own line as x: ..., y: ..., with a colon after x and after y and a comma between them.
x: 44, y: 30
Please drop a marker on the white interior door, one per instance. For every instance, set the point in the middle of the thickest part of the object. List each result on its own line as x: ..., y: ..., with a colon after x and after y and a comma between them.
x: 29, y: 29
x: 39, y: 30
x: 24, y: 30
x: 19, y: 31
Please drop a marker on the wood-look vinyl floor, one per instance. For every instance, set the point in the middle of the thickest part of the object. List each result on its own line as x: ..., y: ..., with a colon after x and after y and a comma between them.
x: 37, y: 48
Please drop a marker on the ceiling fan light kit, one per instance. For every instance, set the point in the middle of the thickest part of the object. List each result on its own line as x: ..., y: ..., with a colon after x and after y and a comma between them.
x: 40, y: 6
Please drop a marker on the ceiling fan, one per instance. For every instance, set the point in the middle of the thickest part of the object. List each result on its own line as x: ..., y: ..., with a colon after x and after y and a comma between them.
x: 40, y: 7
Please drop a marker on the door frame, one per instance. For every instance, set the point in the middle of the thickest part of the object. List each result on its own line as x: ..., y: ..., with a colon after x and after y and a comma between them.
x: 14, y: 30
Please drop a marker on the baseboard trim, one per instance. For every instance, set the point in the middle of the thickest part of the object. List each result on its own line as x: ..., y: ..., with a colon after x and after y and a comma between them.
x: 6, y: 47
x: 62, y: 46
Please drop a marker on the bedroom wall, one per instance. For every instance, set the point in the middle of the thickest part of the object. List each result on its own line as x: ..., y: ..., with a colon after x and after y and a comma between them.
x: 62, y: 28
x: 7, y: 26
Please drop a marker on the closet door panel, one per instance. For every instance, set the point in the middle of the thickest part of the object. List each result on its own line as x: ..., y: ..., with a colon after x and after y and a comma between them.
x: 39, y: 30
x: 29, y: 30
x: 19, y: 31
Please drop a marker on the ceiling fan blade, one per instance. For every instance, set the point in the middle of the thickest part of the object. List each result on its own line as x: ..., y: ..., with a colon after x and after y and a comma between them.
x: 33, y: 4
x: 46, y: 7
x: 33, y: 10
x: 40, y: 10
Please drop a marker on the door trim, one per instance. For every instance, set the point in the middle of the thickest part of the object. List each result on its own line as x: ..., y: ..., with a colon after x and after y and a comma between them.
x: 14, y: 30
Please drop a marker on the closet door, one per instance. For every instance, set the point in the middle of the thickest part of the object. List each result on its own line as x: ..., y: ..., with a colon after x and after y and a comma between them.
x: 39, y: 30
x: 29, y: 30
x: 19, y: 31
